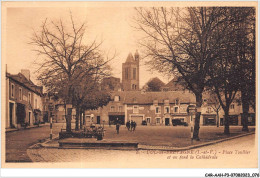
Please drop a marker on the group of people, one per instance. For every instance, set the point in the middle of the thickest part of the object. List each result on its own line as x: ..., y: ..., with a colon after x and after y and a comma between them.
x: 131, y: 125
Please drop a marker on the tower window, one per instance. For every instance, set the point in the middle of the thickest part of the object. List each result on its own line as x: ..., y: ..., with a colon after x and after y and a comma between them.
x: 126, y: 73
x: 134, y: 73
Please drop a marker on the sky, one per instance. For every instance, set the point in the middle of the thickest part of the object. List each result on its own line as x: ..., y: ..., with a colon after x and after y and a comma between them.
x: 111, y: 24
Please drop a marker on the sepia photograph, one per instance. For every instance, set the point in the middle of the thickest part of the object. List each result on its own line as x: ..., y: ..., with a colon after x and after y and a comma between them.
x: 129, y: 85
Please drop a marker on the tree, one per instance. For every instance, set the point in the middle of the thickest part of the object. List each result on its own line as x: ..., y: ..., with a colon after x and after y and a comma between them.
x: 154, y: 84
x: 245, y: 48
x: 63, y: 51
x: 229, y: 72
x: 213, y: 102
x: 183, y: 42
x: 87, y: 93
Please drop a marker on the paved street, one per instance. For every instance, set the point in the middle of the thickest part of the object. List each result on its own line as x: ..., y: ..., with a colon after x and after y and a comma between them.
x: 17, y: 142
x: 221, y: 155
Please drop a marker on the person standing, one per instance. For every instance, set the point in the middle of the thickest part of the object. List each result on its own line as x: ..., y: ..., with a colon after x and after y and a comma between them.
x: 134, y: 126
x: 128, y: 125
x: 117, y: 126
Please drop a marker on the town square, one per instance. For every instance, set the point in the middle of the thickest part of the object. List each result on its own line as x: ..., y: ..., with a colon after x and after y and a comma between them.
x: 87, y: 85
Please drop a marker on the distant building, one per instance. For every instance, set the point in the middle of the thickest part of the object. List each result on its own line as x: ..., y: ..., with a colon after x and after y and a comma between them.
x: 209, y: 114
x: 173, y: 85
x: 58, y: 112
x: 111, y: 84
x: 130, y: 73
x: 23, y: 100
x: 157, y: 108
x: 154, y: 84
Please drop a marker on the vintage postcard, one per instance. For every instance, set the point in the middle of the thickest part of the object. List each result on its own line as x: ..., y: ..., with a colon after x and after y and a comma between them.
x: 129, y: 85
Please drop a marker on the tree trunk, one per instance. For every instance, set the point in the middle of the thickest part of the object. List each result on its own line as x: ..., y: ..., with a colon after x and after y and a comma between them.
x: 197, y: 117
x: 217, y: 119
x: 80, y: 117
x: 84, y: 119
x: 68, y: 120
x: 77, y: 118
x: 245, y: 106
x: 226, y: 123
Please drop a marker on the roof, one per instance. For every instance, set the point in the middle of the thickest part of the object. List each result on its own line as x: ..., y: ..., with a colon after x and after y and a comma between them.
x: 138, y: 97
x: 130, y: 58
x: 174, y: 84
x: 22, y: 80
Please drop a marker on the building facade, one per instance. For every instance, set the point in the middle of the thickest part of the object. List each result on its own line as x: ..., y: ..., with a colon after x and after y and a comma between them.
x: 156, y: 108
x: 23, y: 100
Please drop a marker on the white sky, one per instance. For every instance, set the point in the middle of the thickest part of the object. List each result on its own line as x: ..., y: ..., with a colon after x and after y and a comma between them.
x: 112, y: 24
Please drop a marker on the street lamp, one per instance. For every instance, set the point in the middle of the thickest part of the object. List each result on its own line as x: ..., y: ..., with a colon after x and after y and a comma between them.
x: 191, y: 110
x: 51, y: 107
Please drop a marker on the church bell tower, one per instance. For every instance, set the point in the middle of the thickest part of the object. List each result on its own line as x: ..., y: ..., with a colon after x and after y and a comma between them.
x: 130, y: 72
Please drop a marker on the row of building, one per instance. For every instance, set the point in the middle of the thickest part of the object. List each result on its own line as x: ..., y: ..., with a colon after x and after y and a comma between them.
x: 26, y: 102
x: 159, y: 108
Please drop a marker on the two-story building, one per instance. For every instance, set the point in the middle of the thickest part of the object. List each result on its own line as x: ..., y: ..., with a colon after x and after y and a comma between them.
x: 58, y: 112
x: 212, y: 112
x: 156, y: 108
x: 23, y: 100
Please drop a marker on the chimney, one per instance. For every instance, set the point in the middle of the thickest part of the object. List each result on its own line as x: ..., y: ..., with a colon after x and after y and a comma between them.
x: 26, y: 73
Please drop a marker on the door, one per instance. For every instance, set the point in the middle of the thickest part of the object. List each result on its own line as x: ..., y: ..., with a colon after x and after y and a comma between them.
x: 113, y: 119
x: 30, y: 118
x: 98, y: 119
x: 11, y: 107
x: 167, y: 121
x: 137, y: 119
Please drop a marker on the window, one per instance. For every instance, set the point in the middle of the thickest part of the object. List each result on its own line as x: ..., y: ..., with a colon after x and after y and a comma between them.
x: 148, y: 120
x: 209, y: 110
x: 158, y: 119
x: 167, y: 109
x: 133, y: 87
x: 176, y: 109
x: 120, y: 108
x: 20, y: 94
x: 134, y: 73
x: 126, y: 73
x: 158, y: 110
x: 36, y: 103
x: 112, y: 108
x: 232, y: 106
x: 135, y: 109
x: 29, y: 98
x: 117, y: 98
x: 181, y: 119
x: 12, y: 90
x: 177, y: 102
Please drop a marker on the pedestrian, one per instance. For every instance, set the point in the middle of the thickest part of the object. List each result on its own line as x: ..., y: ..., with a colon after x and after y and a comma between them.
x: 117, y: 126
x: 128, y: 125
x: 134, y: 126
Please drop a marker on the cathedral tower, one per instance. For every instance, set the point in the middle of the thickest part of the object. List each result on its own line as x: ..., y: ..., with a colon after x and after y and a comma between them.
x: 130, y: 72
